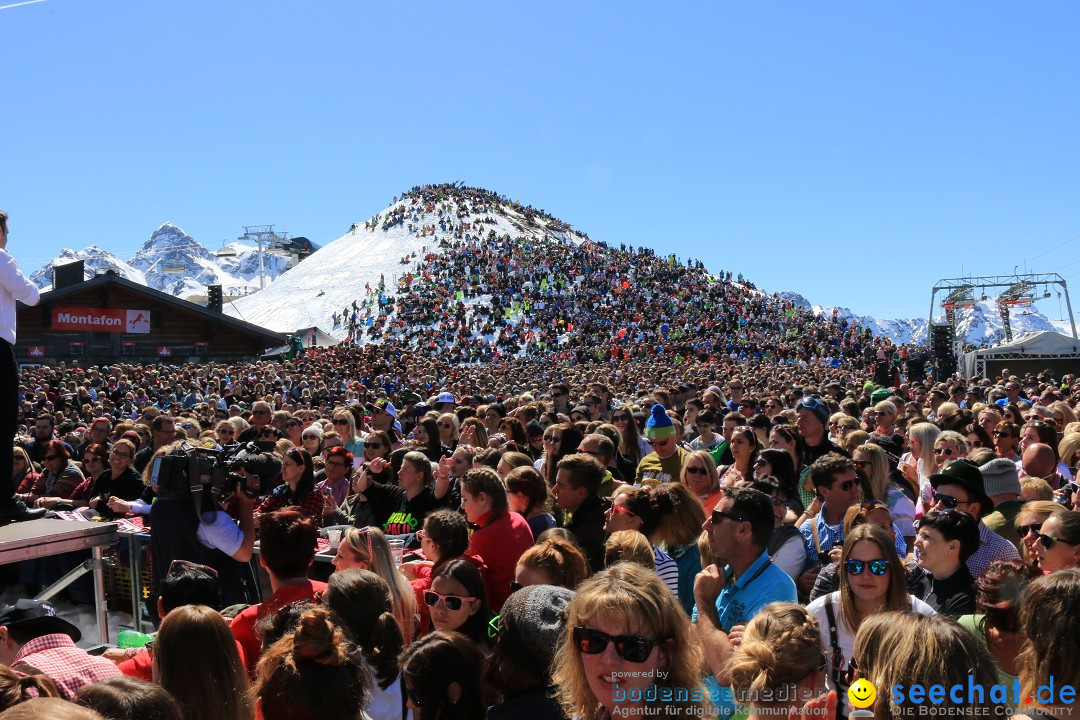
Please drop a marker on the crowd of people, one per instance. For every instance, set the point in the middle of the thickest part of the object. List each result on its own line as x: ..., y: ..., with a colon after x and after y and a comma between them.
x: 572, y: 481
x: 485, y: 294
x: 588, y: 549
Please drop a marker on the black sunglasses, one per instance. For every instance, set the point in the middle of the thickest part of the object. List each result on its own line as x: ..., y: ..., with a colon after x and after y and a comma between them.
x: 1049, y: 540
x: 1023, y: 530
x: 948, y: 500
x: 719, y: 515
x: 631, y: 648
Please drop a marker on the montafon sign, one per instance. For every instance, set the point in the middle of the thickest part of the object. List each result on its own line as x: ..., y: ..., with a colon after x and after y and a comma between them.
x: 117, y: 320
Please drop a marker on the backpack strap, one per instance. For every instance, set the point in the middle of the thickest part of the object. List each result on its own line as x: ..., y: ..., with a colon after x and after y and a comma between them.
x: 834, y: 640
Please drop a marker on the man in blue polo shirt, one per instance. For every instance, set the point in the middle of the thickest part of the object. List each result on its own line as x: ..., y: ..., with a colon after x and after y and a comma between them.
x: 739, y: 529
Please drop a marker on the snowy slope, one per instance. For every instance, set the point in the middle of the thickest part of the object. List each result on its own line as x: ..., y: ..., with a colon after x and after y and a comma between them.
x: 336, y: 275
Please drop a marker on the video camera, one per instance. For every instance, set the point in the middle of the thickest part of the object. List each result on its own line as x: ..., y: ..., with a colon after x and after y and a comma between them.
x: 190, y: 468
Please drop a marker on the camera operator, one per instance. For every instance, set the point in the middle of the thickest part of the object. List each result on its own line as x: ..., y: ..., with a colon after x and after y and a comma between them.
x: 188, y: 522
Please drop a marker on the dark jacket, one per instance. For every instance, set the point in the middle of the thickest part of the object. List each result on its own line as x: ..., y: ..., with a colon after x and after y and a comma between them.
x: 587, y: 525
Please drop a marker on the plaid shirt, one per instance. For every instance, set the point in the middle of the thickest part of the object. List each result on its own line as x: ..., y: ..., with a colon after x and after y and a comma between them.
x: 991, y: 547
x: 57, y: 657
x: 831, y: 536
x: 310, y: 505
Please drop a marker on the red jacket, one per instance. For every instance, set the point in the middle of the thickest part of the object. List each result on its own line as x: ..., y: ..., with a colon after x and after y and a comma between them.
x: 243, y: 625
x: 500, y: 540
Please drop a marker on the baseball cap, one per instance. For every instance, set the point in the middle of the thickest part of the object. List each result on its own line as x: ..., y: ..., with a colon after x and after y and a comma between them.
x: 37, y: 616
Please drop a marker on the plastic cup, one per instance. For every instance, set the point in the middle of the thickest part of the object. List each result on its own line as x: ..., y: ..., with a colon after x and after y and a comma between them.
x: 397, y: 549
x: 335, y: 538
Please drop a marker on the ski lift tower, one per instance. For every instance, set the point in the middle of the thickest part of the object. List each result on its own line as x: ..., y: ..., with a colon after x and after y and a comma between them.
x: 1020, y: 290
x: 262, y: 235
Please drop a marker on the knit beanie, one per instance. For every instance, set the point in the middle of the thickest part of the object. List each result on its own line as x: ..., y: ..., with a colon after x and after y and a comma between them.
x: 1000, y: 477
x: 659, y: 426
x: 537, y: 615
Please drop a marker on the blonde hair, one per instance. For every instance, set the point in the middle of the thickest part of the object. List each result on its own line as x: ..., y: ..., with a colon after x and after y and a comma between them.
x: 924, y: 650
x: 710, y: 468
x: 631, y: 595
x: 927, y: 434
x: 629, y: 546
x: 953, y: 437
x: 1068, y: 448
x: 878, y: 477
x: 780, y: 647
x: 1036, y: 489
x: 705, y: 550
x: 1068, y: 415
x: 478, y: 427
x: 370, y: 545
x: 563, y: 562
x: 347, y: 414
x: 855, y: 438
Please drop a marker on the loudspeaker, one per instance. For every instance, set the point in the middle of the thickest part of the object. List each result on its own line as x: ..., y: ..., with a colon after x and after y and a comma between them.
x: 942, y: 340
x: 213, y: 298
x: 68, y: 275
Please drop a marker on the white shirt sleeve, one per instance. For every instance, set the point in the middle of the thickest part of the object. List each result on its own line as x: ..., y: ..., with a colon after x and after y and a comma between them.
x: 223, y: 534
x: 791, y: 556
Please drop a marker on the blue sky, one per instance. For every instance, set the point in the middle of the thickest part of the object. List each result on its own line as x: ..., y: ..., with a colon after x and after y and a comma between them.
x: 854, y: 152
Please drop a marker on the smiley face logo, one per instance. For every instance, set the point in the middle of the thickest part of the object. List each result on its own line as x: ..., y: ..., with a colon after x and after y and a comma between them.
x: 861, y: 694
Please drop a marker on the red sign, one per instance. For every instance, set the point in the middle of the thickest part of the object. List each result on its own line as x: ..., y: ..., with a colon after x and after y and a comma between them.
x: 117, y: 320
x: 36, y: 351
x: 164, y: 351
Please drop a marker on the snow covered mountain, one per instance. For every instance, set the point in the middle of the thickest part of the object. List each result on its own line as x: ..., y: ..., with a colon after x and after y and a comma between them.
x: 980, y: 324
x: 174, y: 262
x: 95, y: 261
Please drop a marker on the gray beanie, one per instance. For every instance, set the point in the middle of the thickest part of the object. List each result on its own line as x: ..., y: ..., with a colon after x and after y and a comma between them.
x: 537, y: 615
x: 1000, y: 477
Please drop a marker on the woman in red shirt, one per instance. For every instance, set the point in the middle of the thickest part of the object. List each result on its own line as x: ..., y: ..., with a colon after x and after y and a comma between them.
x: 499, y: 535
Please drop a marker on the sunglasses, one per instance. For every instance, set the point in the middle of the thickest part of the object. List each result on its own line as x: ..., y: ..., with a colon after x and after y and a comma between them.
x: 719, y: 515
x: 621, y: 418
x: 445, y: 426
x: 341, y: 422
x: 1049, y: 540
x: 860, y: 464
x: 53, y: 457
x: 373, y: 446
x: 877, y: 567
x: 658, y: 443
x: 845, y: 486
x: 452, y: 602
x: 631, y: 648
x: 226, y: 431
x: 553, y: 439
x: 335, y: 463
x: 621, y: 510
x: 696, y: 470
x: 1023, y: 530
x: 948, y: 500
x: 293, y: 423
x: 1002, y: 433
x: 944, y: 451
x: 870, y: 505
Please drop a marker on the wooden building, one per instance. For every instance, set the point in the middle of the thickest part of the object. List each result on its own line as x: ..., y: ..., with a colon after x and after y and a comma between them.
x: 109, y: 319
